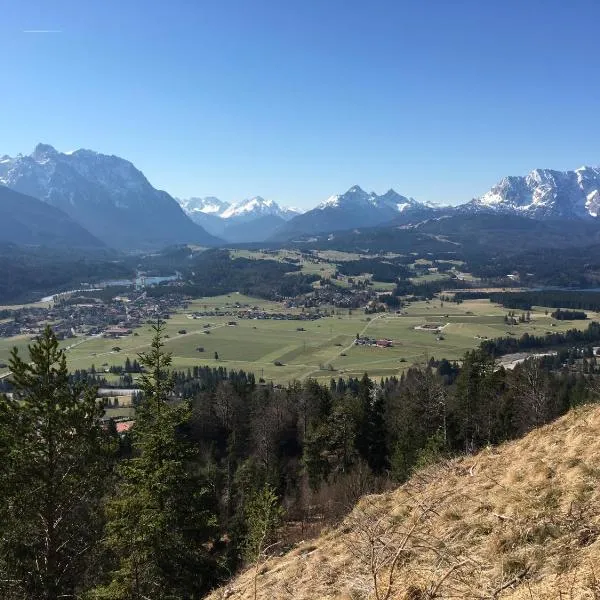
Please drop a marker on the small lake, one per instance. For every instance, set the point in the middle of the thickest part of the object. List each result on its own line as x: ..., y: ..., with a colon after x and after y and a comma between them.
x: 148, y: 281
x: 138, y: 280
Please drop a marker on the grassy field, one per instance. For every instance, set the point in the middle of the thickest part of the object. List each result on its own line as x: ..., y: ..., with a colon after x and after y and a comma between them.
x: 324, y: 349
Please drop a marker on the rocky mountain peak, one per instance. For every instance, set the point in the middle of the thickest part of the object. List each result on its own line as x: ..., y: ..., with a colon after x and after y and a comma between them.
x: 546, y: 193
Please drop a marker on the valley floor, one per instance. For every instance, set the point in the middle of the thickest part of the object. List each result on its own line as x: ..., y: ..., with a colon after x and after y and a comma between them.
x: 321, y: 348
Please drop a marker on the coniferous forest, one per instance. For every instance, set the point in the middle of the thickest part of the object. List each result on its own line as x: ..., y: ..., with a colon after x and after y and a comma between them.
x: 220, y: 469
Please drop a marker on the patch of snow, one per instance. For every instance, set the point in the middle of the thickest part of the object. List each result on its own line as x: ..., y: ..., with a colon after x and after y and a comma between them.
x: 331, y: 201
x: 256, y: 206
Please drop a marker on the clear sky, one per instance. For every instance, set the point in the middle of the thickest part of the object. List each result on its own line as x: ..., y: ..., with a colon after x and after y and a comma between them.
x: 296, y: 100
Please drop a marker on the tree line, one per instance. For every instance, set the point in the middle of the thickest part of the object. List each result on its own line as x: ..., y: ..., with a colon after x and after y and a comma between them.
x: 511, y: 344
x: 26, y: 274
x: 215, y: 272
x: 568, y: 315
x: 381, y: 269
x: 572, y: 300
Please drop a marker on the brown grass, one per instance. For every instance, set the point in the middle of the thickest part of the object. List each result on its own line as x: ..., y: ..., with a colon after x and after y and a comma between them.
x: 521, y: 521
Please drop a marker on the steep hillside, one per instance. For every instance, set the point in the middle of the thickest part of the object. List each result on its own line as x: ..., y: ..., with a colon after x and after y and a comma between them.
x: 517, y: 522
x: 25, y: 220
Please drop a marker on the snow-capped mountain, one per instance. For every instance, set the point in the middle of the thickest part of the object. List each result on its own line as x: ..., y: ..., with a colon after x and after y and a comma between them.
x: 355, y: 208
x: 356, y: 197
x: 258, y: 207
x: 208, y: 206
x: 105, y: 194
x: 232, y: 221
x: 545, y: 193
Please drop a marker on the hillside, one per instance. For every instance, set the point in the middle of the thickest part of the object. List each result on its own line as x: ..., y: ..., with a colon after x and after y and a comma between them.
x: 520, y: 521
x: 25, y: 220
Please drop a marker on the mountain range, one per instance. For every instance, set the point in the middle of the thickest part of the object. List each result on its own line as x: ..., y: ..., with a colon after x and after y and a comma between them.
x: 542, y: 194
x: 104, y: 194
x: 230, y: 221
x: 105, y: 199
x: 545, y: 193
x: 355, y: 208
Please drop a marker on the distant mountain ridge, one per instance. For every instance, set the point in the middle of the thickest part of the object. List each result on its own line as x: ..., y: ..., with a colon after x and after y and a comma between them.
x: 252, y: 207
x: 545, y: 193
x: 113, y: 201
x: 356, y: 208
x: 208, y: 205
x: 231, y: 221
x: 105, y: 194
x: 542, y: 194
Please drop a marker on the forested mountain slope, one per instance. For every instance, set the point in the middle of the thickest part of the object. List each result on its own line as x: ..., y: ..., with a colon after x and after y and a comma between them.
x: 26, y: 220
x: 519, y: 521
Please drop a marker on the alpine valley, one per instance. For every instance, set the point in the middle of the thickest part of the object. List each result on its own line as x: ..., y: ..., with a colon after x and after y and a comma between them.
x: 207, y: 388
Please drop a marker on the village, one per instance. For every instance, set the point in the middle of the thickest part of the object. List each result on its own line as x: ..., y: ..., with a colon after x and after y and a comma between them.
x: 89, y: 316
x: 259, y: 314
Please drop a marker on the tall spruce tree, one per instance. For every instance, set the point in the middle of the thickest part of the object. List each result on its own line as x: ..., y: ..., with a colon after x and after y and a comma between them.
x: 54, y: 471
x: 161, y: 520
x: 371, y: 435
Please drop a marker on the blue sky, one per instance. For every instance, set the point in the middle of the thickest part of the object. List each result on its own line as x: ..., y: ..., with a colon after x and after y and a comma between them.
x: 296, y: 100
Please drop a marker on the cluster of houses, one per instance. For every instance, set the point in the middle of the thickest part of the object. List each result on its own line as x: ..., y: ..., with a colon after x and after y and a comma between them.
x: 258, y: 314
x: 90, y: 316
x: 366, y: 341
x: 335, y: 296
x: 117, y: 332
x: 31, y: 322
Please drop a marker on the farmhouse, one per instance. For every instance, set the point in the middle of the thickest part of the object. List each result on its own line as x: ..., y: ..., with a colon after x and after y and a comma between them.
x: 116, y: 332
x: 366, y: 341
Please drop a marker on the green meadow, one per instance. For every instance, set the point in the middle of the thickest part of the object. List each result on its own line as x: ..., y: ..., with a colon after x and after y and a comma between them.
x: 323, y: 350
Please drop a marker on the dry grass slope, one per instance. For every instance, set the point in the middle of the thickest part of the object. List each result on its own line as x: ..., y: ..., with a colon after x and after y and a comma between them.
x: 521, y: 521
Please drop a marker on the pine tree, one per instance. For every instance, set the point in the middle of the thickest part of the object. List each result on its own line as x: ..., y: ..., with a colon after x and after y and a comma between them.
x: 161, y: 520
x: 475, y: 405
x: 371, y: 432
x: 55, y: 455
